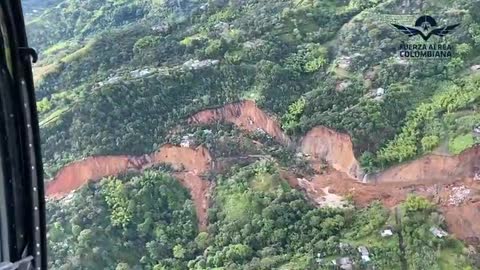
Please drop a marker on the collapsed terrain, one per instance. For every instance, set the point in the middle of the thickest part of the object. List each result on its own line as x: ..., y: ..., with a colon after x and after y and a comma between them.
x: 449, y: 181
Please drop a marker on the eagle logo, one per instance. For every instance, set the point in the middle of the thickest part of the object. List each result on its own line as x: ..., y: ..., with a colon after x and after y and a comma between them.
x: 426, y: 26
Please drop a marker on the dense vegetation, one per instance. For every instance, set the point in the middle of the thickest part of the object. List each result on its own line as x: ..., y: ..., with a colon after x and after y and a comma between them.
x: 256, y: 222
x: 121, y: 77
x: 121, y: 223
x: 282, y: 54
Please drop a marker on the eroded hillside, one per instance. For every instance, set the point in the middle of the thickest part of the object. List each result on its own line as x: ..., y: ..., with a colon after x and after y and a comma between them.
x: 335, y: 148
x: 245, y: 115
x: 191, y: 163
x: 436, y: 177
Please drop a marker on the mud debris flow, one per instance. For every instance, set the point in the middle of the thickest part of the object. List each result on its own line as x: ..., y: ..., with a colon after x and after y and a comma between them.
x: 193, y: 162
x: 245, y: 115
x: 436, y: 177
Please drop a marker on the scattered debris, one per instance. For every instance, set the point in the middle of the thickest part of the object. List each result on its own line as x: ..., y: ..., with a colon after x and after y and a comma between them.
x: 330, y: 199
x: 307, y: 187
x: 344, y: 263
x: 110, y: 80
x: 476, y: 176
x: 161, y: 28
x: 139, y: 73
x: 221, y: 26
x: 260, y: 131
x: 300, y: 155
x: 472, y: 250
x: 197, y: 64
x: 458, y: 195
x: 438, y: 232
x: 343, y: 85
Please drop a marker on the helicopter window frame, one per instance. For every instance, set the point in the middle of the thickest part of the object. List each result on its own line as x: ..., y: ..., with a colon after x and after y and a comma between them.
x: 5, y: 53
x: 5, y: 61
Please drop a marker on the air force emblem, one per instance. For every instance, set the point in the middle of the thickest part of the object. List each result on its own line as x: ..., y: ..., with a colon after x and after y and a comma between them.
x: 426, y: 26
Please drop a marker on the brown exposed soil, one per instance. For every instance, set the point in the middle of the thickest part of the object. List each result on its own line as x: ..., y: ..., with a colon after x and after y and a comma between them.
x: 336, y: 148
x: 434, y: 176
x: 76, y: 174
x: 433, y: 168
x: 193, y: 162
x: 463, y: 221
x: 461, y: 218
x: 200, y: 192
x: 196, y: 160
x: 245, y: 115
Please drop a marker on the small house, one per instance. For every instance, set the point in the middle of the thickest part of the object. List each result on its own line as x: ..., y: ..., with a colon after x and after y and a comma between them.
x: 476, y: 131
x: 187, y: 141
x: 344, y: 62
x: 475, y: 68
x: 364, y: 253
x: 380, y: 92
x: 386, y: 233
x: 344, y: 263
x: 438, y: 232
x: 363, y: 250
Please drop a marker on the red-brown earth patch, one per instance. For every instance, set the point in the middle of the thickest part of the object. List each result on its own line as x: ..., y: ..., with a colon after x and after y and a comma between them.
x: 193, y: 163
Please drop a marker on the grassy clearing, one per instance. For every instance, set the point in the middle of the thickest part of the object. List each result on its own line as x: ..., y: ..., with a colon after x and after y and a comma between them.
x: 39, y: 72
x: 453, y: 257
x: 53, y: 117
x: 78, y: 54
x: 460, y: 143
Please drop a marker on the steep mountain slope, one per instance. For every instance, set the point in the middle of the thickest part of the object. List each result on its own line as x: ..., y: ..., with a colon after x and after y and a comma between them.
x: 335, y: 148
x: 422, y: 176
x: 238, y: 101
x: 245, y: 115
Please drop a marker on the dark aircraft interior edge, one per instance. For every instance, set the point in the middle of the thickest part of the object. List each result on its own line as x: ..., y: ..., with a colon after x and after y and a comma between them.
x: 22, y: 206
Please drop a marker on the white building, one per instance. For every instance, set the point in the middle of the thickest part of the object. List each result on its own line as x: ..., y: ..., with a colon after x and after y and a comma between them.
x: 364, y: 253
x: 380, y: 92
x: 187, y: 141
x: 438, y: 232
x: 386, y: 233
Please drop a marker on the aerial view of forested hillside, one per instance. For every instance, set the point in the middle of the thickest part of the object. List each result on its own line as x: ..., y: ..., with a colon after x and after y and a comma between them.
x: 248, y: 134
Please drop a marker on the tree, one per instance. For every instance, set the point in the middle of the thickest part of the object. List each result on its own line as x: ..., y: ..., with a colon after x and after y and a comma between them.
x: 291, y: 120
x: 202, y: 240
x: 179, y: 252
x: 415, y: 203
x: 238, y: 253
x: 123, y: 266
